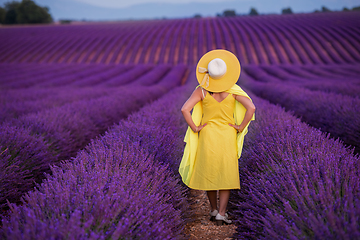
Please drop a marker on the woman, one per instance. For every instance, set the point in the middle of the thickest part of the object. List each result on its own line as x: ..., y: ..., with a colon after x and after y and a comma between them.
x: 222, y: 112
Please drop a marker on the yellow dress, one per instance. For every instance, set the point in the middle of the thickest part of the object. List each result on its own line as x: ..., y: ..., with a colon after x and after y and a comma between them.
x: 186, y: 167
x: 216, y: 162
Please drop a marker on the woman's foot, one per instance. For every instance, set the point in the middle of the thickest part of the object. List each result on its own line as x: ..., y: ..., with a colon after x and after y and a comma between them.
x: 213, y: 215
x: 222, y: 219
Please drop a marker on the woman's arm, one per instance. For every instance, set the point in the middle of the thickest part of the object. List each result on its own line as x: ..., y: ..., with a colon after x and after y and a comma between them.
x: 188, y: 105
x: 250, y: 109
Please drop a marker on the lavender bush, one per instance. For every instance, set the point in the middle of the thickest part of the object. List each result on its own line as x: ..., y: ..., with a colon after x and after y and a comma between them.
x: 335, y: 78
x: 103, y: 76
x: 127, y: 77
x: 120, y: 185
x: 18, y: 102
x: 110, y: 192
x: 23, y: 160
x: 63, y: 80
x: 61, y: 132
x: 153, y: 76
x: 344, y: 88
x: 69, y: 127
x: 39, y: 75
x: 66, y: 129
x: 297, y: 183
x: 333, y: 113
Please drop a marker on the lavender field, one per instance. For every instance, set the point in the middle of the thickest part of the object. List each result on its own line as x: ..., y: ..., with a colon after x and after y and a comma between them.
x: 91, y: 133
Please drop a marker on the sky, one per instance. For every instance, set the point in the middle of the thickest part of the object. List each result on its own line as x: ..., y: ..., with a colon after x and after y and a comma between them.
x: 151, y: 9
x: 121, y: 3
x: 127, y: 3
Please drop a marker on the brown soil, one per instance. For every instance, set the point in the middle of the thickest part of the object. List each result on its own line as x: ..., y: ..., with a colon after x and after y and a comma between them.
x: 201, y: 227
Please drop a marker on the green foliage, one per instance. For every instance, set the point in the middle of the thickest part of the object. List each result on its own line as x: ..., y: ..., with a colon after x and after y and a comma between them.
x: 65, y: 21
x: 356, y: 8
x: 286, y: 11
x: 253, y: 12
x: 229, y: 13
x: 26, y: 12
x: 197, y: 16
x: 325, y: 9
x: 2, y: 15
x: 11, y: 12
x: 29, y: 12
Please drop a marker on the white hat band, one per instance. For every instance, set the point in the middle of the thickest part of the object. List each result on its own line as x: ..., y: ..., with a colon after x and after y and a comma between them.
x: 216, y: 69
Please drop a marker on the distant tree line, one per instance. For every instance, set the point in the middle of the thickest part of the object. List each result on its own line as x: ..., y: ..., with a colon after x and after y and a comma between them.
x: 24, y: 12
x: 254, y: 12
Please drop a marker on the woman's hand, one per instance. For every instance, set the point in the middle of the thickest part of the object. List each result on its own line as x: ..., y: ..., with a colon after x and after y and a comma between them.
x: 250, y: 110
x: 188, y: 105
x: 237, y: 127
x: 198, y: 128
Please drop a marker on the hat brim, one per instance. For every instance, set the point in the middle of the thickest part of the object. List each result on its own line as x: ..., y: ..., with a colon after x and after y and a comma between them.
x: 228, y: 79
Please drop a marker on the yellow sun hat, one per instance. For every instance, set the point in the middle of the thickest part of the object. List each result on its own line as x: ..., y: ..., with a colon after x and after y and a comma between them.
x: 218, y: 70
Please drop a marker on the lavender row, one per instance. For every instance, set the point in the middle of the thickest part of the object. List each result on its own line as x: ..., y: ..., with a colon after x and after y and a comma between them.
x: 69, y: 74
x: 296, y: 182
x: 344, y: 88
x: 330, y: 112
x: 60, y: 132
x: 19, y: 102
x: 15, y: 103
x: 72, y: 125
x: 338, y: 72
x: 84, y: 75
x: 297, y: 47
x: 126, y: 175
x: 341, y: 79
x: 66, y: 129
x: 339, y: 50
x: 285, y: 51
x: 19, y: 75
x: 109, y: 190
x: 344, y: 37
x: 55, y: 134
x: 313, y: 47
x: 260, y: 40
x: 46, y: 74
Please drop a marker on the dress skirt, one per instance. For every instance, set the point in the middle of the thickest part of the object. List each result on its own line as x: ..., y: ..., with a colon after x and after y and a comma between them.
x: 216, y: 164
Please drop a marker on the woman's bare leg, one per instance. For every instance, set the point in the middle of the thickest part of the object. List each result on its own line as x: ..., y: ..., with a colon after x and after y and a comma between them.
x: 224, y: 198
x: 212, y: 195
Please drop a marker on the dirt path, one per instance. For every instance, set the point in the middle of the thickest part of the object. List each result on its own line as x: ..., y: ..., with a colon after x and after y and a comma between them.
x: 201, y: 227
